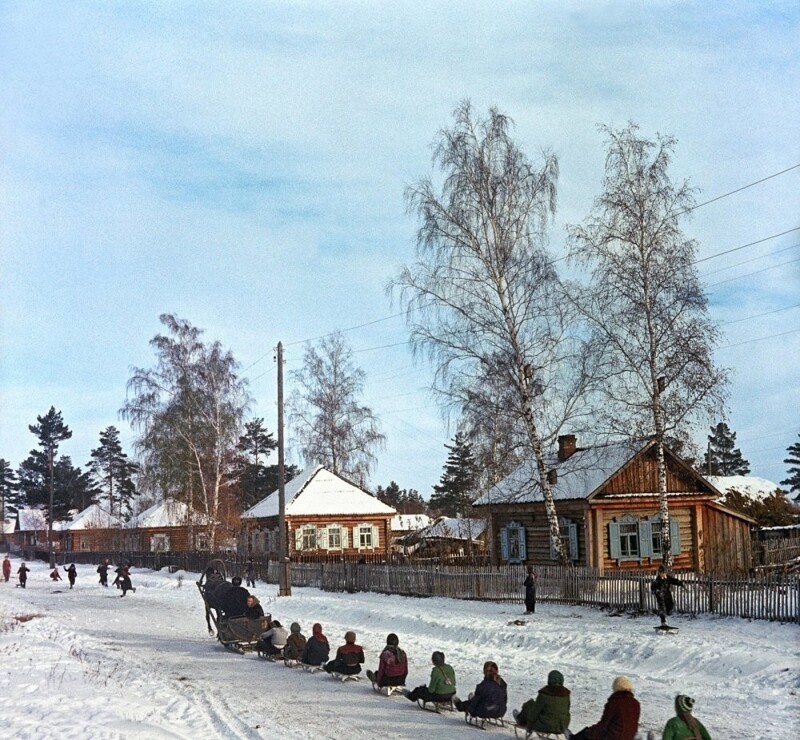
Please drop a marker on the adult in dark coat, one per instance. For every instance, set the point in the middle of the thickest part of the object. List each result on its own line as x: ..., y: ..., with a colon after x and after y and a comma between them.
x: 317, y: 648
x: 620, y: 720
x: 549, y: 711
x: 251, y: 573
x: 530, y: 591
x: 72, y: 574
x: 103, y: 571
x: 234, y: 602
x: 661, y: 588
x: 490, y: 698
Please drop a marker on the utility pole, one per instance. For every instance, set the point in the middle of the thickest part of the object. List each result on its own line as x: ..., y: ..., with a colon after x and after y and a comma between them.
x: 50, y: 514
x: 285, y: 580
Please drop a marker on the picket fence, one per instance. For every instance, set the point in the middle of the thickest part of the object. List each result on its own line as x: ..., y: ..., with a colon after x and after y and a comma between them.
x: 773, y: 596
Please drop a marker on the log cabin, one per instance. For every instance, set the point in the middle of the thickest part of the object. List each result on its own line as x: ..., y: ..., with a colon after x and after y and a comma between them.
x: 93, y: 530
x: 327, y: 517
x: 606, y: 498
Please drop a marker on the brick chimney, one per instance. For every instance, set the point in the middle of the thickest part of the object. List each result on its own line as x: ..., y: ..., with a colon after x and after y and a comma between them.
x: 567, y: 444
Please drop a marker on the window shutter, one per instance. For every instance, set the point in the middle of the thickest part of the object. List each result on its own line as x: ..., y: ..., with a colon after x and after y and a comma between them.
x: 298, y: 538
x: 375, y: 537
x: 675, y: 536
x: 523, y: 545
x: 343, y: 530
x: 356, y: 539
x: 504, y: 543
x: 322, y: 538
x: 613, y: 540
x: 573, y: 541
x: 646, y: 538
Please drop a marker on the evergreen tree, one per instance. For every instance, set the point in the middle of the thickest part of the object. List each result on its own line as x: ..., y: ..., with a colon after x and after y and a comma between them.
x: 404, y: 500
x: 112, y: 471
x: 254, y: 447
x: 771, y: 511
x: 75, y: 489
x: 793, y: 461
x: 456, y: 488
x: 9, y: 494
x: 723, y: 457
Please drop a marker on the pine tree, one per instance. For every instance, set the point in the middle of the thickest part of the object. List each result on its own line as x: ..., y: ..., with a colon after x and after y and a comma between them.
x: 793, y: 461
x: 403, y: 500
x: 255, y: 446
x: 456, y: 489
x: 9, y: 495
x: 113, y: 471
x: 723, y: 457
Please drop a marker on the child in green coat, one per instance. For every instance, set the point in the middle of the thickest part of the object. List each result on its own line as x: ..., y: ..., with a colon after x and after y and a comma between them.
x: 684, y: 725
x: 442, y: 685
x: 548, y: 713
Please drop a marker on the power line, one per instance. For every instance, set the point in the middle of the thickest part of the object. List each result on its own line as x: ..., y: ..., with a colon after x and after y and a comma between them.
x: 759, y: 339
x: 759, y: 315
x: 755, y: 272
x: 744, y: 246
x: 752, y: 259
x: 738, y: 190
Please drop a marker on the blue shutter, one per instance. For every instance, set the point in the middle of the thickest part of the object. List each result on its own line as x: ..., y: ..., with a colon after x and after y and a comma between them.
x: 573, y: 541
x: 504, y: 544
x: 646, y: 538
x: 613, y: 540
x: 675, y: 536
x: 523, y: 545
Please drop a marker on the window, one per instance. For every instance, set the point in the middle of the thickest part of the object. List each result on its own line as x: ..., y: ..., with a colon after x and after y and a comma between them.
x: 334, y: 537
x: 569, y: 536
x: 84, y: 543
x: 159, y: 543
x: 201, y: 542
x: 513, y: 547
x: 630, y: 538
x: 365, y: 538
x: 308, y: 538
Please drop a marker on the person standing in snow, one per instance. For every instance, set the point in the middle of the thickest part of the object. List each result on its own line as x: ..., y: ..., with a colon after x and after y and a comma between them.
x: 548, y: 713
x: 490, y: 698
x: 392, y: 664
x: 349, y: 657
x: 661, y: 588
x: 620, y: 719
x: 103, y: 571
x: 250, y: 573
x: 317, y: 648
x: 120, y: 570
x: 72, y: 574
x: 684, y: 726
x: 22, y: 574
x: 442, y: 686
x: 530, y: 591
x: 125, y: 582
x: 6, y: 568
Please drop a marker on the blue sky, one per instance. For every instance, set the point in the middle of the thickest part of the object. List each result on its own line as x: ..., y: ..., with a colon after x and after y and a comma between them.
x: 243, y: 165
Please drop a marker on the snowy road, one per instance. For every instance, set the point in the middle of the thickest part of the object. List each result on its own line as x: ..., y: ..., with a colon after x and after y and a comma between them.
x: 87, y: 664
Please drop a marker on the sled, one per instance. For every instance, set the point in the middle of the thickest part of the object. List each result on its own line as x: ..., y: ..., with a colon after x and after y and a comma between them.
x: 310, y: 668
x: 343, y: 677
x: 482, y: 722
x: 665, y: 629
x: 388, y: 690
x: 436, y: 706
x: 238, y: 634
x: 521, y: 732
x: 291, y: 662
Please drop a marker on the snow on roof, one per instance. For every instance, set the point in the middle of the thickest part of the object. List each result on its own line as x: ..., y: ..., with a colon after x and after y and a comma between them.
x: 8, y: 526
x: 167, y: 514
x: 579, y: 475
x: 35, y: 520
x: 750, y: 486
x: 320, y: 493
x: 447, y: 528
x: 93, y: 517
x: 409, y: 522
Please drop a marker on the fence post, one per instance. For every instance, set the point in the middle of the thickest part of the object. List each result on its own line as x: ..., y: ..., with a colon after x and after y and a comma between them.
x: 642, y: 595
x: 711, y: 604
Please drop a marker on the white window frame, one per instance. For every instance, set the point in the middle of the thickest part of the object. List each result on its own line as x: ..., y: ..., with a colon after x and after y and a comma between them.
x: 335, y: 531
x: 159, y: 542
x: 366, y: 537
x: 308, y: 538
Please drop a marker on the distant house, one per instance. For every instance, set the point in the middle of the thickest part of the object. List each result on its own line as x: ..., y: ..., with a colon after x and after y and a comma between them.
x: 403, y: 524
x: 326, y: 516
x: 93, y: 530
x: 607, y: 502
x: 446, y: 536
x: 31, y: 530
x: 168, y: 527
x: 750, y: 486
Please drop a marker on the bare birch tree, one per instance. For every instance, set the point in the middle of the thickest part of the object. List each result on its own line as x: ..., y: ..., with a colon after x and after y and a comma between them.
x: 332, y: 426
x: 189, y: 411
x: 645, y: 300
x: 483, y: 299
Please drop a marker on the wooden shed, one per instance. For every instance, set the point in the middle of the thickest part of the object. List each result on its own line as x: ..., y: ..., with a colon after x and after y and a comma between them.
x: 607, y: 501
x: 327, y: 516
x: 94, y: 530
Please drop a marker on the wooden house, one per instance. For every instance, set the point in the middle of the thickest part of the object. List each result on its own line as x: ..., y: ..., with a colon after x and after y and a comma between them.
x: 327, y: 516
x: 168, y: 527
x: 401, y: 525
x: 94, y: 530
x: 31, y: 530
x: 446, y: 536
x: 606, y: 499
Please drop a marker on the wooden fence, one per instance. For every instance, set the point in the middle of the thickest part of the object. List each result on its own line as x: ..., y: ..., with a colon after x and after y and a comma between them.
x: 773, y: 596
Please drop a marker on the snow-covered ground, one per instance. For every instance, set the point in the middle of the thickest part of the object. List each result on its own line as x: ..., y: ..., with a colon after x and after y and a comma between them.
x: 88, y: 664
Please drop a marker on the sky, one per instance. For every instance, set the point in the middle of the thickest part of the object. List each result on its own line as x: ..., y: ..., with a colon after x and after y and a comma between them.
x: 243, y: 165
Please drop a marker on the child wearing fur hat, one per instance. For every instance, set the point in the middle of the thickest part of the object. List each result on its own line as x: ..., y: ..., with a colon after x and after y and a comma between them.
x: 549, y: 711
x: 684, y: 726
x: 620, y: 719
x: 392, y: 665
x: 295, y: 643
x: 349, y: 657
